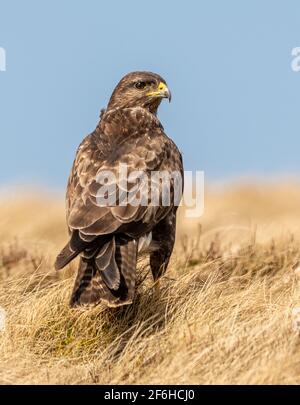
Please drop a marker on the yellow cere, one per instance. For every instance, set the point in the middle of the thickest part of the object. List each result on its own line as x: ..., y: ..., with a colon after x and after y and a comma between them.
x: 161, y: 87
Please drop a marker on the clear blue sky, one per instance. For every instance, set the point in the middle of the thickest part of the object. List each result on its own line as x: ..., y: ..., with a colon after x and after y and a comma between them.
x: 236, y: 101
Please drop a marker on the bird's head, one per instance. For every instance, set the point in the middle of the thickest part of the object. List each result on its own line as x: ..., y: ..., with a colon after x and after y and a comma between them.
x: 140, y: 89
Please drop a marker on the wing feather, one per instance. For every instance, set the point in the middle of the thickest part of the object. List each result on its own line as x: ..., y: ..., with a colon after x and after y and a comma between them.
x: 141, y: 145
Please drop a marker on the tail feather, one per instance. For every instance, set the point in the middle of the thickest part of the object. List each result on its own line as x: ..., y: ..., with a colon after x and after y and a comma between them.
x: 107, y: 277
x: 89, y: 287
x: 126, y: 258
x: 72, y: 249
x: 65, y: 257
x: 106, y: 264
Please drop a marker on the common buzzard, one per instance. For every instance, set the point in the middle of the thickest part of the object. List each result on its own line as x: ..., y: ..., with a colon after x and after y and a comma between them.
x: 108, y: 237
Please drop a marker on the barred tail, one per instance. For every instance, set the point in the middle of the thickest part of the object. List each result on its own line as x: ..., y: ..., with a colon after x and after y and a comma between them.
x: 108, y: 275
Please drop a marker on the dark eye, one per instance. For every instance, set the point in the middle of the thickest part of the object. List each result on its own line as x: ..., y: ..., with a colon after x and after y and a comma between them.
x: 140, y: 85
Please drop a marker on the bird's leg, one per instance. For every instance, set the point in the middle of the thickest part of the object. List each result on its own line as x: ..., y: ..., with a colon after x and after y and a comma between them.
x: 157, y: 278
x: 157, y: 288
x: 159, y: 258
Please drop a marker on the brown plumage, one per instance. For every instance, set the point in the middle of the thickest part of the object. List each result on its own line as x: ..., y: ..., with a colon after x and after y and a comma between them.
x: 107, y: 237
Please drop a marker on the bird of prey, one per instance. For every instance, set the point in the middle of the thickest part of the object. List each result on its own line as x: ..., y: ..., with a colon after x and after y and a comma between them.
x: 108, y: 237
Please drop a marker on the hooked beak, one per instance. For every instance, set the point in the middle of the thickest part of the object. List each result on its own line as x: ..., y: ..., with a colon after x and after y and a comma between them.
x: 162, y: 91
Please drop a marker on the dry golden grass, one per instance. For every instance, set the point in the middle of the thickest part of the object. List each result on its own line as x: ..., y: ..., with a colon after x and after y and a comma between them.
x: 227, y: 313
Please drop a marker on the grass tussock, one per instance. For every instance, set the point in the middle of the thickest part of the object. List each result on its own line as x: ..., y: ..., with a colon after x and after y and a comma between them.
x: 227, y: 313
